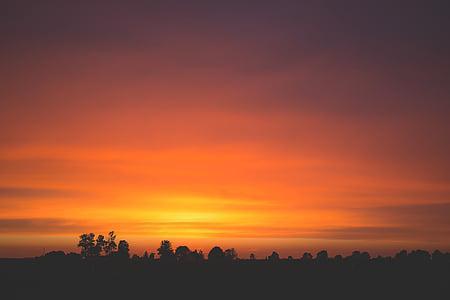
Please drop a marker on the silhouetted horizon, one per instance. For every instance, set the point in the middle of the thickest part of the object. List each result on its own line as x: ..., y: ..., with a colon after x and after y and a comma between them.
x: 105, y: 268
x: 92, y: 247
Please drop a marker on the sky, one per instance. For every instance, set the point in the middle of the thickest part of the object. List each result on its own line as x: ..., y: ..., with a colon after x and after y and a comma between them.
x: 260, y: 125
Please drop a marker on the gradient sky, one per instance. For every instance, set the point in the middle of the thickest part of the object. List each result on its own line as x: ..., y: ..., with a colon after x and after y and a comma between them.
x: 260, y: 125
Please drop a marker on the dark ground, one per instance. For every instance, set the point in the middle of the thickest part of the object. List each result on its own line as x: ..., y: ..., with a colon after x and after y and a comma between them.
x: 63, y: 278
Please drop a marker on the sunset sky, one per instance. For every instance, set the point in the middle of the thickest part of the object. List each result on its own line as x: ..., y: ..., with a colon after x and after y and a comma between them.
x: 260, y: 125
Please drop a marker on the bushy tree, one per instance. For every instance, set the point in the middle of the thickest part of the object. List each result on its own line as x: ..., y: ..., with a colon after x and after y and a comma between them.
x: 419, y: 256
x: 401, y: 256
x: 86, y: 244
x: 306, y: 257
x: 123, y: 249
x: 322, y: 256
x: 99, y: 245
x: 197, y: 256
x: 165, y: 251
x: 216, y: 254
x: 182, y: 253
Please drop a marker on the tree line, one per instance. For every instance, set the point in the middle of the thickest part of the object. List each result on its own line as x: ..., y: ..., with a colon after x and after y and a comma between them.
x: 93, y: 247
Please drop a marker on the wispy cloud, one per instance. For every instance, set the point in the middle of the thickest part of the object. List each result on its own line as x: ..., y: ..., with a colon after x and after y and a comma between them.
x: 28, y: 192
x: 40, y: 225
x: 414, y: 215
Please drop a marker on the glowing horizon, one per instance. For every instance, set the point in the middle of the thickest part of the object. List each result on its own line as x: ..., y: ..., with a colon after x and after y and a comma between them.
x: 173, y: 122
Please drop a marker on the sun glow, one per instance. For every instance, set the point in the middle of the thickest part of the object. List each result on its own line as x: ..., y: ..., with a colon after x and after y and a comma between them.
x: 168, y: 124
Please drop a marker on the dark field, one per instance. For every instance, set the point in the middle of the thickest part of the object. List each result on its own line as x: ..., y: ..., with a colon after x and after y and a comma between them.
x: 64, y: 277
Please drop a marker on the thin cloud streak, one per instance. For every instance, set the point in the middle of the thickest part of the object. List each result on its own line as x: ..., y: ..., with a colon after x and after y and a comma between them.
x: 29, y: 192
x: 407, y: 223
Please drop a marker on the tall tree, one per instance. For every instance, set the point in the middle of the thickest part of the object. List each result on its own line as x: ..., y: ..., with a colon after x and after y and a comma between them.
x: 165, y: 251
x: 123, y: 249
x: 86, y: 244
x: 99, y: 245
x: 110, y: 244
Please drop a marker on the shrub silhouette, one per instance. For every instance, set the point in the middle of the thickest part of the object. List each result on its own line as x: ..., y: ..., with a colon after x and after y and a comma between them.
x: 182, y: 253
x: 322, y: 257
x: 196, y: 256
x: 306, y: 257
x: 273, y: 257
x: 216, y: 254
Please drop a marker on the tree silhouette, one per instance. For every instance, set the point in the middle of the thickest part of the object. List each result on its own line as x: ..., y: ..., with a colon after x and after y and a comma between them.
x: 364, y: 258
x: 356, y: 275
x: 72, y: 256
x: 135, y: 258
x: 231, y: 254
x: 182, y: 253
x: 273, y: 257
x: 338, y: 259
x: 322, y: 256
x: 93, y: 247
x: 123, y: 249
x: 165, y: 251
x: 110, y: 245
x: 216, y: 254
x: 358, y: 258
x: 402, y: 255
x: 86, y: 244
x: 419, y: 256
x: 99, y: 245
x: 306, y: 257
x: 196, y: 256
x: 55, y: 255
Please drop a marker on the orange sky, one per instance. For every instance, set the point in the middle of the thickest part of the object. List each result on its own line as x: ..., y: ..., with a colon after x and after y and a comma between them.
x: 212, y: 132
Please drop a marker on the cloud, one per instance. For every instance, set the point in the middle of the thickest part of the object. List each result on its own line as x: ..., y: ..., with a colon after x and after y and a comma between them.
x: 27, y: 192
x: 365, y: 233
x: 415, y: 215
x: 39, y: 225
